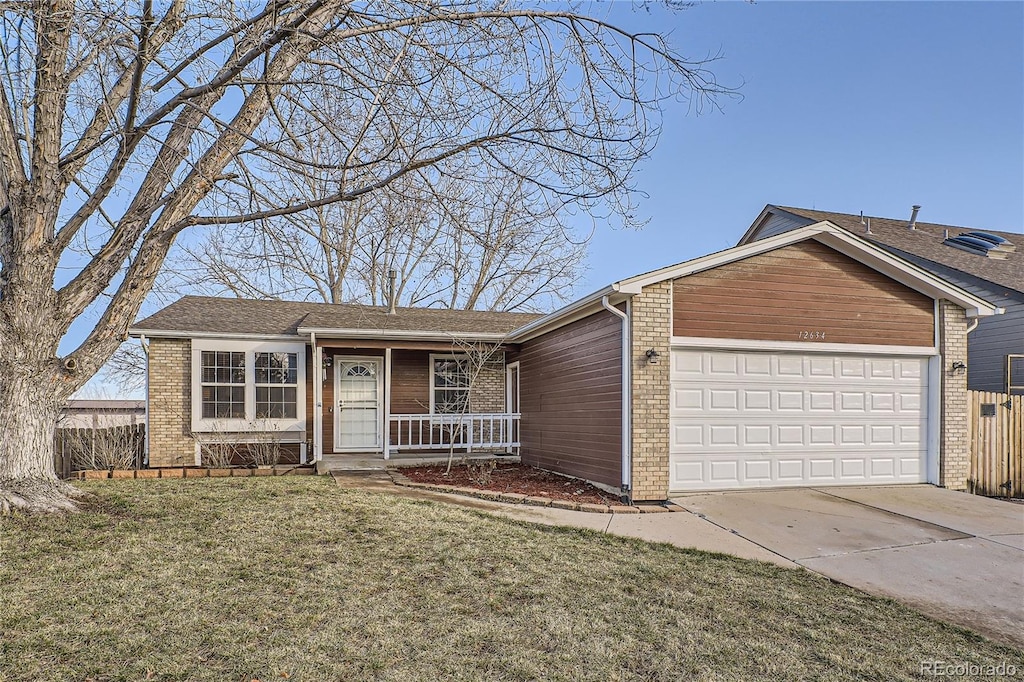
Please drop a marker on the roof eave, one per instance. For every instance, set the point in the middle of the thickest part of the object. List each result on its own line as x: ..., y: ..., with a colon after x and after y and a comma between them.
x: 136, y: 332
x: 905, y: 272
x: 401, y: 335
x: 751, y: 232
x: 576, y: 310
x: 841, y: 240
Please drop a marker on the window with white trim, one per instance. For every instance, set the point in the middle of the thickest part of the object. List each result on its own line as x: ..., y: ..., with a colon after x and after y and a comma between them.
x: 277, y: 378
x: 248, y: 386
x: 223, y: 384
x: 449, y: 384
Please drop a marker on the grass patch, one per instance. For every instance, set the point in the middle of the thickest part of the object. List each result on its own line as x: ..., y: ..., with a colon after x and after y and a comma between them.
x: 280, y: 578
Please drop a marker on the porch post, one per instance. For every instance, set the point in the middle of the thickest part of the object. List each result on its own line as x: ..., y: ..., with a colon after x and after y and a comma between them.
x: 318, y: 400
x: 386, y: 432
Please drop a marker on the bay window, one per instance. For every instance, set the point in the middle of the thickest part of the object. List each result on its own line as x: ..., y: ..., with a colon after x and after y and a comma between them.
x: 240, y: 386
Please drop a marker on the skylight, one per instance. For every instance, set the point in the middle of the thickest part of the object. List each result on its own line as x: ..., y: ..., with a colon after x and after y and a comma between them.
x: 981, y: 244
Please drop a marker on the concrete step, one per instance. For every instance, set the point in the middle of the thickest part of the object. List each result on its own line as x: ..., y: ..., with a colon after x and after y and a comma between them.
x: 374, y: 462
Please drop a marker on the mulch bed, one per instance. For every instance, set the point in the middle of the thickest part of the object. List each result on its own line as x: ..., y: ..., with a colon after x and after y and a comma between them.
x: 512, y: 478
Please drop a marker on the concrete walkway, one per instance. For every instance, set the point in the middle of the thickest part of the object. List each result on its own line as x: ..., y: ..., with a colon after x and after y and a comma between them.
x: 681, y: 529
x: 955, y: 556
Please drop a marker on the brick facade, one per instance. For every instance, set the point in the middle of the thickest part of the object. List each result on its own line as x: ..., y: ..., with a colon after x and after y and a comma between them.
x: 954, y: 453
x: 651, y: 328
x: 170, y: 403
x: 488, y: 391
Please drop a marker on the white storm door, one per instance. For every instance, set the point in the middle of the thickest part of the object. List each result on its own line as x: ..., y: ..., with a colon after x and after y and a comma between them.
x: 357, y: 383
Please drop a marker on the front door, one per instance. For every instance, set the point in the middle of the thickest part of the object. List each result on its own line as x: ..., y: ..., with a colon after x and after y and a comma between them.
x: 357, y: 387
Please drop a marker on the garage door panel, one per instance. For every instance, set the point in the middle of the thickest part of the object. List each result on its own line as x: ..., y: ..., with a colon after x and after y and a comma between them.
x: 852, y: 469
x: 762, y: 419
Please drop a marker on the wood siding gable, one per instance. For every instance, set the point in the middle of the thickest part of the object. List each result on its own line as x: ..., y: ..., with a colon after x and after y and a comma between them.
x: 802, y: 288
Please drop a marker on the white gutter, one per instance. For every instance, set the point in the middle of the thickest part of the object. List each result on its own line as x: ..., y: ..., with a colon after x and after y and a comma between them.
x: 541, y: 325
x: 145, y: 349
x: 399, y: 334
x: 171, y: 334
x: 627, y: 431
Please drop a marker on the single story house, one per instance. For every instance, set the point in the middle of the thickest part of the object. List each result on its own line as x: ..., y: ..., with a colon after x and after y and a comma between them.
x: 812, y: 357
x: 989, y: 268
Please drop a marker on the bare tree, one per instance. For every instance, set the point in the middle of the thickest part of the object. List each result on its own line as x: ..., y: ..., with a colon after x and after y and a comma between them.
x: 119, y: 129
x: 492, y: 243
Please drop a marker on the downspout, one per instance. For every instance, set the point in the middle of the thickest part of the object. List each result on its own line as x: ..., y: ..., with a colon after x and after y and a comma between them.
x: 318, y: 414
x: 974, y: 325
x: 627, y: 455
x: 145, y: 349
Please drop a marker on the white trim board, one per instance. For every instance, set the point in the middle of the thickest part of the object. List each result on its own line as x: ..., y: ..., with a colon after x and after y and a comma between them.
x: 249, y: 423
x: 800, y: 346
x: 325, y: 334
x: 842, y: 241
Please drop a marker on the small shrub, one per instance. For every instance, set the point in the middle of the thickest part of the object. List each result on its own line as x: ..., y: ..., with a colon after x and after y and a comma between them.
x: 218, y: 455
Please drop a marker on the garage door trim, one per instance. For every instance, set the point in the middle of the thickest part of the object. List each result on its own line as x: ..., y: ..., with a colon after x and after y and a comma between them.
x: 931, y: 376
x: 697, y: 342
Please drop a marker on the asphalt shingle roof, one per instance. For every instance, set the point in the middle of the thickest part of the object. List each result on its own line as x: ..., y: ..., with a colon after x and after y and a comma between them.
x: 203, y: 314
x: 926, y: 242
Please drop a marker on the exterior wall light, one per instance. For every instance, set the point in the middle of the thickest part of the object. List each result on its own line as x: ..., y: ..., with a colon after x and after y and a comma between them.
x: 652, y: 356
x: 958, y: 366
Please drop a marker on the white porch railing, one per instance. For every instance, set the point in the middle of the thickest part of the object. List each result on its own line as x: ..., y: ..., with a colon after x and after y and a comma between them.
x: 489, y: 431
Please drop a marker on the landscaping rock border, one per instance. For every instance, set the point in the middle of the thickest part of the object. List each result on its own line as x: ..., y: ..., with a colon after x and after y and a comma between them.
x: 398, y: 478
x: 192, y: 472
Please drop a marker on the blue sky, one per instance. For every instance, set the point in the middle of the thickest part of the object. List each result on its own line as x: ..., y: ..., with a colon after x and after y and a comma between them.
x: 847, y: 106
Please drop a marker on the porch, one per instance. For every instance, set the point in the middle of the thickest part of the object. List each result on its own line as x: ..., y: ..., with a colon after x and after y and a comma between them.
x: 374, y: 462
x: 409, y: 402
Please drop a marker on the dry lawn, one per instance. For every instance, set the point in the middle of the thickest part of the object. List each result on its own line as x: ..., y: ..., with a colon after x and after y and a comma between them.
x: 279, y: 578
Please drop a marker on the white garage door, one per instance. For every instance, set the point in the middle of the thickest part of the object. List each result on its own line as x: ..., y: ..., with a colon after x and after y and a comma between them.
x: 767, y: 419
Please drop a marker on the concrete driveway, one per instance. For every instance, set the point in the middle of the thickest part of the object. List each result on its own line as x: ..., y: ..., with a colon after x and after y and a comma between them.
x: 955, y: 556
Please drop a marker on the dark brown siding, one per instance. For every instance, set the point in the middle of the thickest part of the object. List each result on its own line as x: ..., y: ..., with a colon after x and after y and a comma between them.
x: 570, y: 398
x: 410, y: 385
x: 410, y: 381
x: 805, y: 287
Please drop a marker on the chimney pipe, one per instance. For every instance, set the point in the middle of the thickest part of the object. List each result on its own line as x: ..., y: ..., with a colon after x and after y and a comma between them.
x: 391, y: 291
x: 913, y: 216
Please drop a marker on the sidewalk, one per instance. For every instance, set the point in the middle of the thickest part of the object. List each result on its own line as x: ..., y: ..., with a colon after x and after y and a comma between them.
x: 682, y: 529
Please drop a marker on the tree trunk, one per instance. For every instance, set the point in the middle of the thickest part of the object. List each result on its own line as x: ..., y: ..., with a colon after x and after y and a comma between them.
x: 29, y: 407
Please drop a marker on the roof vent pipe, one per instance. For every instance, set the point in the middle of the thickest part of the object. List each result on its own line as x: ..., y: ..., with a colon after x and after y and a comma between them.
x: 913, y: 216
x: 868, y: 230
x: 392, y: 275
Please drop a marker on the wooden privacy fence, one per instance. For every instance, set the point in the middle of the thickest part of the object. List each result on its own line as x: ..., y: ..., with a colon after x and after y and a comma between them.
x: 996, y: 436
x: 113, y: 447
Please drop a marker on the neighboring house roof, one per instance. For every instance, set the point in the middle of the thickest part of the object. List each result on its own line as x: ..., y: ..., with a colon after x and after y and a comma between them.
x: 842, y: 240
x: 88, y: 405
x: 203, y: 315
x: 924, y: 242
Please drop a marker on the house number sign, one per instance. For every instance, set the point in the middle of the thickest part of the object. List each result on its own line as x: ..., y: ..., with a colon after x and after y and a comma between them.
x: 811, y: 336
